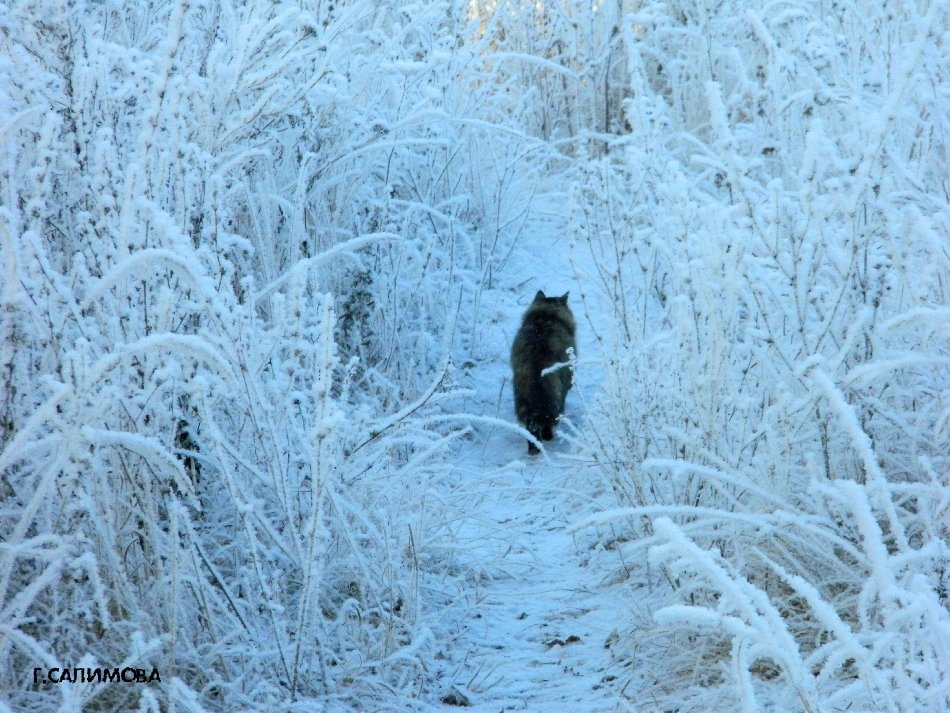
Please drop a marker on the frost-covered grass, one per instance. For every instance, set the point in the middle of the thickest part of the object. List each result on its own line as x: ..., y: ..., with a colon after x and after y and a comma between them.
x: 247, y: 256
x: 236, y: 238
x: 774, y: 402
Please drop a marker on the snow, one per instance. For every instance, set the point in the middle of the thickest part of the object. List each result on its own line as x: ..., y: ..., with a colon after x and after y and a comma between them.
x: 262, y: 266
x: 536, y: 630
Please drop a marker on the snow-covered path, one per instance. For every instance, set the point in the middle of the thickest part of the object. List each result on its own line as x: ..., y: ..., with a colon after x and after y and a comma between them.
x: 533, y: 632
x: 541, y: 622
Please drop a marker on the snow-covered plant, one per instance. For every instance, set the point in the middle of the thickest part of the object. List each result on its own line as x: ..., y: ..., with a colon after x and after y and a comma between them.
x: 774, y: 399
x: 227, y: 238
x: 560, y: 64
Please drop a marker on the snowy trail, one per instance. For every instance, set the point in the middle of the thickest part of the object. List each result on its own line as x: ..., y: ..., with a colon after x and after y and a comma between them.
x: 540, y: 622
x: 533, y: 633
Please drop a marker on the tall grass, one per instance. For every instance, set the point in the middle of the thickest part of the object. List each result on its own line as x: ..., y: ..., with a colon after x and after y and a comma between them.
x: 772, y: 411
x: 235, y: 242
